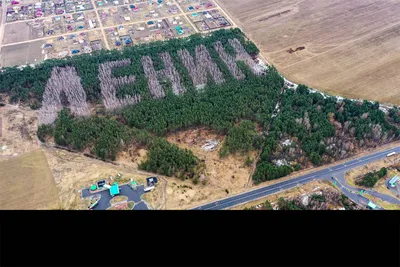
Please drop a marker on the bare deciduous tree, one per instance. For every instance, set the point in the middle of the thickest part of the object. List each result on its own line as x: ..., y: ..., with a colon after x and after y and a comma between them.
x: 198, y: 70
x: 110, y: 84
x: 241, y: 54
x: 169, y: 73
x: 229, y: 61
x: 63, y: 79
x: 154, y: 86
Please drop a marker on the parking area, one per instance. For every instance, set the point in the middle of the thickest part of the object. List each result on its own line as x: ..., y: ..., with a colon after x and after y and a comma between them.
x: 124, y: 190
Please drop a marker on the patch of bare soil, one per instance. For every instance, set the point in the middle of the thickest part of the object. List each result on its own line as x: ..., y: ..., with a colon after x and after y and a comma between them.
x: 27, y: 183
x: 18, y: 131
x: 222, y: 177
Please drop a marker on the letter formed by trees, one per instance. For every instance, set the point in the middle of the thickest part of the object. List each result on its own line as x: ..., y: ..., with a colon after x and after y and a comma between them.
x: 169, y: 73
x: 241, y: 54
x: 198, y: 70
x: 110, y: 84
x: 229, y: 61
x: 62, y: 80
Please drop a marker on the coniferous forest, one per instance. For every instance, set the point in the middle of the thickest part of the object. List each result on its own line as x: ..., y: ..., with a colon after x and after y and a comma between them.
x: 319, y: 128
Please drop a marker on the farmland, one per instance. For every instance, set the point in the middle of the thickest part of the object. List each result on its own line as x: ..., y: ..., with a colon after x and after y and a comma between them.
x: 350, y: 47
x: 27, y: 183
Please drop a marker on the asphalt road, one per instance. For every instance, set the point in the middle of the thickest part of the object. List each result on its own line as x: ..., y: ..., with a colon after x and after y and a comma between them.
x: 125, y: 190
x: 384, y: 197
x: 324, y: 174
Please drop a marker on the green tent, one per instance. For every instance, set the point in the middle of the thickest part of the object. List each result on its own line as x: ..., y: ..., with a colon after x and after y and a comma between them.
x: 93, y: 187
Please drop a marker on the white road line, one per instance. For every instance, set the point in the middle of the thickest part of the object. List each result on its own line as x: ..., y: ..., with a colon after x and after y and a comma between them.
x: 262, y: 193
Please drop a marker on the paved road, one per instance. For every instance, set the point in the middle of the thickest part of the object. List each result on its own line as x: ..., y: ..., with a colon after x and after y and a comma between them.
x: 351, y: 193
x: 324, y: 174
x: 373, y: 193
x: 125, y: 190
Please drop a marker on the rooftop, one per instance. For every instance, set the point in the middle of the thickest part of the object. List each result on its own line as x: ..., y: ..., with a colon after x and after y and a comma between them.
x: 371, y: 205
x: 114, y: 190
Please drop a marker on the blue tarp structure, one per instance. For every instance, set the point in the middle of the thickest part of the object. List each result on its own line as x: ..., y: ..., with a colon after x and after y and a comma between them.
x: 114, y: 189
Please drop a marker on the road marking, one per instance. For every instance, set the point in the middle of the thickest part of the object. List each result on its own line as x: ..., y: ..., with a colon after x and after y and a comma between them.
x: 263, y: 193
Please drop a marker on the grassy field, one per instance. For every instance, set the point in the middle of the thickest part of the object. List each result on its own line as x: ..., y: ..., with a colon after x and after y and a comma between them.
x: 27, y: 183
x: 351, y: 48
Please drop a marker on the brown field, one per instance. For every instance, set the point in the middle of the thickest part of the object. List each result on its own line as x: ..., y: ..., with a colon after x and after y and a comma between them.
x: 27, y: 183
x: 351, y: 47
x: 18, y: 131
x: 223, y: 177
x: 16, y: 32
x: 21, y: 54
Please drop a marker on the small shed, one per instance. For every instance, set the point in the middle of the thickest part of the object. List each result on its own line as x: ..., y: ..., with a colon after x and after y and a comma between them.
x: 151, y: 181
x: 114, y: 189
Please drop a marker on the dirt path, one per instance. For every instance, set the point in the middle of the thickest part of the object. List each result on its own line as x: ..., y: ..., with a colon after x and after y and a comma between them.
x: 101, y: 25
x: 164, y: 196
x: 102, y: 28
x: 185, y: 14
x: 3, y: 22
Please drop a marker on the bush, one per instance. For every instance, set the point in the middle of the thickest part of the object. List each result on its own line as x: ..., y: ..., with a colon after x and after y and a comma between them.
x: 319, y: 198
x: 382, y: 172
x: 268, y: 205
x: 248, y: 161
x: 371, y: 178
x: 288, y: 204
x: 44, y: 131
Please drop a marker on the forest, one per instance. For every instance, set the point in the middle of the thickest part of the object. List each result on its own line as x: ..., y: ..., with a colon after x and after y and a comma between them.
x: 241, y: 139
x: 229, y: 96
x: 322, y: 130
x: 217, y: 105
